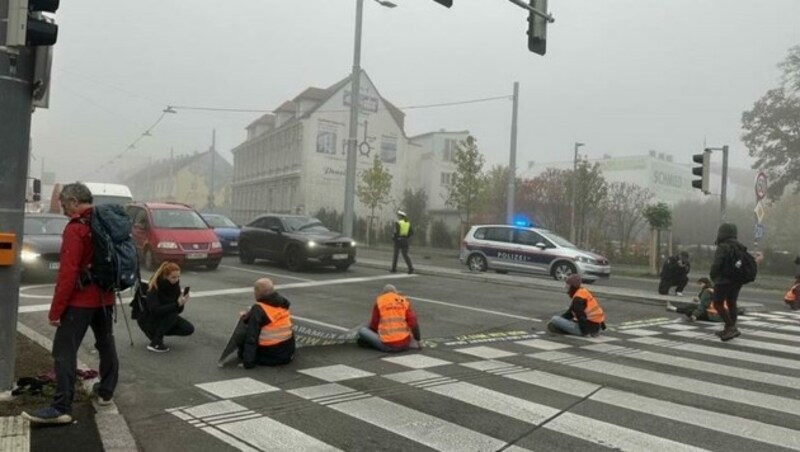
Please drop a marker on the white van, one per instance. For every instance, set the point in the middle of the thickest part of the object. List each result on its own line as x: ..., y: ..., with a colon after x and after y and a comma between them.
x: 101, y: 192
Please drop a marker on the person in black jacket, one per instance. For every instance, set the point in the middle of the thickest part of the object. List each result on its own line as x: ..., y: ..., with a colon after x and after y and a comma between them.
x: 265, y: 337
x: 675, y: 272
x: 163, y: 306
x: 726, y: 289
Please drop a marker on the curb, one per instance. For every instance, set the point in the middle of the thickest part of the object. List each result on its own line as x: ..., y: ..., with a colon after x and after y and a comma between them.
x: 111, y: 425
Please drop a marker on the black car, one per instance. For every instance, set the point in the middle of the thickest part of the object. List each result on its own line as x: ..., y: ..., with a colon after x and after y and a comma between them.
x: 41, y: 245
x: 295, y: 240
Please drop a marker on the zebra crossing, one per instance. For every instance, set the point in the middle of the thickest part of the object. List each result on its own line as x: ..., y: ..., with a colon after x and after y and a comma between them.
x: 658, y: 386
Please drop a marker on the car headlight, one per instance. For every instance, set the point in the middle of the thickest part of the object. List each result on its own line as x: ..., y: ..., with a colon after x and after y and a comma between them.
x: 29, y: 256
x: 216, y: 245
x: 586, y: 260
x: 167, y: 245
x: 311, y: 244
x: 353, y: 243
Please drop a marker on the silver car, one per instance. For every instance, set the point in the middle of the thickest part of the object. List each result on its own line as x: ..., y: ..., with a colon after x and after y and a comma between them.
x: 531, y: 250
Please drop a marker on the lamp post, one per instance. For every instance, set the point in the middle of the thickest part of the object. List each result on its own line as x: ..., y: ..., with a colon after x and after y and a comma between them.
x: 574, y: 192
x: 352, y: 141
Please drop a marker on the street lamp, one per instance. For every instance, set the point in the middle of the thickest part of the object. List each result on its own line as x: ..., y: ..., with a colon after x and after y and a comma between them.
x: 348, y: 216
x: 574, y: 192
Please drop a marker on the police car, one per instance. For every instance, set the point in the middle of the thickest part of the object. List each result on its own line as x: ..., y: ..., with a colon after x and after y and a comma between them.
x: 527, y: 249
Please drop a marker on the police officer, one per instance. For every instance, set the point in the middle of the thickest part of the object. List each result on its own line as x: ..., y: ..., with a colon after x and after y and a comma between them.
x: 402, y: 233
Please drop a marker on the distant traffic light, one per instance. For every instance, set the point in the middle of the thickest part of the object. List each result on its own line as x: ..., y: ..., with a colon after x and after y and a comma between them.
x: 537, y: 27
x: 28, y: 26
x: 447, y: 3
x: 704, y: 170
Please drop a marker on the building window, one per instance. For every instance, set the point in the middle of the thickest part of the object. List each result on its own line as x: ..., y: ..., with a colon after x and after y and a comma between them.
x: 446, y: 179
x: 389, y: 149
x: 449, y: 153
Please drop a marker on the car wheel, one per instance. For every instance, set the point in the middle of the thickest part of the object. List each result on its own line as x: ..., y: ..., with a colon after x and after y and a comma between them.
x: 246, y: 257
x: 295, y: 261
x: 477, y: 263
x: 343, y: 267
x: 150, y: 261
x: 562, y: 270
x: 213, y: 266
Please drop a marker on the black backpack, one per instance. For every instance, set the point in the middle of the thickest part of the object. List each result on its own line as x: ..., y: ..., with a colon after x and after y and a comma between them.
x: 742, y: 267
x: 139, y: 302
x: 115, y: 265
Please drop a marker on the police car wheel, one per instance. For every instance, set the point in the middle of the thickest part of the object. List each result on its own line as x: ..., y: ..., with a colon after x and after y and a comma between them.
x: 477, y: 263
x: 562, y: 270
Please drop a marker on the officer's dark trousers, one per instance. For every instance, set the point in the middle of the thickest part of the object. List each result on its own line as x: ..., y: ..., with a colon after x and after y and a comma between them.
x: 74, y: 323
x: 401, y: 244
x: 666, y: 283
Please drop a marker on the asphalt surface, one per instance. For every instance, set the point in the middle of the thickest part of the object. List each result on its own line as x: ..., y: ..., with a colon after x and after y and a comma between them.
x: 489, y: 377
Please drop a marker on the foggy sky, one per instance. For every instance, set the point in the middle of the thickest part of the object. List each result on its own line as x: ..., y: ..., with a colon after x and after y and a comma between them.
x: 622, y: 76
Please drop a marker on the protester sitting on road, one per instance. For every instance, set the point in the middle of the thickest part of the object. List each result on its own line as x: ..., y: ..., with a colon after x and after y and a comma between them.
x: 266, y: 338
x: 584, y: 317
x: 675, y: 272
x: 163, y: 306
x: 792, y: 297
x: 704, y: 309
x: 393, y: 326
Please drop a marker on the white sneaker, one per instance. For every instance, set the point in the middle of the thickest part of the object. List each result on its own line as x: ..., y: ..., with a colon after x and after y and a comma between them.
x: 670, y: 307
x: 680, y: 294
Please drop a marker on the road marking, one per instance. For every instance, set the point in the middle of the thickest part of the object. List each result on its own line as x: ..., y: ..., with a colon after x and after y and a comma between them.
x: 485, y: 352
x: 417, y: 361
x: 756, y: 358
x: 469, y: 308
x: 33, y: 308
x: 300, y: 285
x: 228, y: 389
x: 22, y: 290
x: 317, y: 322
x: 790, y: 349
x: 336, y: 372
x: 267, y: 434
x: 248, y: 270
x: 543, y: 344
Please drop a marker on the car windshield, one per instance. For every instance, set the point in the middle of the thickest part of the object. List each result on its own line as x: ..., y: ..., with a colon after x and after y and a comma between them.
x: 557, y: 239
x: 107, y: 199
x: 44, y: 226
x: 219, y: 221
x: 304, y: 224
x: 178, y: 219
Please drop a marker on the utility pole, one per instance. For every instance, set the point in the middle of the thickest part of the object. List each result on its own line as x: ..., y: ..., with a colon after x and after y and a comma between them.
x: 512, y: 163
x: 16, y: 74
x: 352, y: 141
x: 723, y: 196
x: 213, y: 157
x: 574, y: 193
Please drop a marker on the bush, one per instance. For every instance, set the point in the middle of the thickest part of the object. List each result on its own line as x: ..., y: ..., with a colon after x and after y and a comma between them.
x: 441, y: 236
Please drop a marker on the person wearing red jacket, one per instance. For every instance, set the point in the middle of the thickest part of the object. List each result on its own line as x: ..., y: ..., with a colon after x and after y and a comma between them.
x: 393, y: 326
x: 77, y: 305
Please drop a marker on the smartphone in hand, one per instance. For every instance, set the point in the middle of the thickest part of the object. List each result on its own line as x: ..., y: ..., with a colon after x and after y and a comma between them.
x: 186, y: 290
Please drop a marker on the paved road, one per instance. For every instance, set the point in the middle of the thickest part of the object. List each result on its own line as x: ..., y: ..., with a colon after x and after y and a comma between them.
x: 489, y: 378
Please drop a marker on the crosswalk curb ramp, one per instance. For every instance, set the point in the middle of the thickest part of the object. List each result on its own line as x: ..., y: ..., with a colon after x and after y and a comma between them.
x: 661, y: 385
x: 15, y: 434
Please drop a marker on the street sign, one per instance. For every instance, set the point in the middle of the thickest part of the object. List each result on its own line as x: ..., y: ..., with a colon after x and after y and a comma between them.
x: 759, y: 232
x: 759, y: 210
x: 761, y: 186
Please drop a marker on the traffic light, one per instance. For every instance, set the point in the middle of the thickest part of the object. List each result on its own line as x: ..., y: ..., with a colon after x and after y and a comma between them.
x: 446, y: 3
x: 704, y: 171
x: 37, y: 190
x: 537, y: 27
x: 28, y: 26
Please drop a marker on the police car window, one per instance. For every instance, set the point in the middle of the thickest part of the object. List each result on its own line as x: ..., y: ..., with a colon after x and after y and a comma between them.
x: 480, y: 234
x: 525, y: 237
x: 498, y: 234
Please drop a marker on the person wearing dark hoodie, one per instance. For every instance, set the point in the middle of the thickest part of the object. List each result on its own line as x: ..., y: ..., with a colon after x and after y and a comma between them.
x: 163, y: 306
x: 267, y: 338
x: 584, y: 317
x: 726, y: 289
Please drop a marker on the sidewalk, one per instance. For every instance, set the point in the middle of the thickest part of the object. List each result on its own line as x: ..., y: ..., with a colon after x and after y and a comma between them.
x: 448, y: 266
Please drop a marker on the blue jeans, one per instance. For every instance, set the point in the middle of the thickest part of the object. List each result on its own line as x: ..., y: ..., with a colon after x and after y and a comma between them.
x: 369, y: 338
x: 566, y: 326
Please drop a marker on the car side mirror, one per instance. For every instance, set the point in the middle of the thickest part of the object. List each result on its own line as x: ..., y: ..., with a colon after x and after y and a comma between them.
x: 541, y: 245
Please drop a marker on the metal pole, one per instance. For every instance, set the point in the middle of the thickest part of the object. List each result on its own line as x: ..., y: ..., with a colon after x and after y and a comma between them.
x: 16, y: 73
x: 213, y: 158
x: 574, y: 190
x: 724, y: 192
x: 512, y: 163
x: 355, y: 100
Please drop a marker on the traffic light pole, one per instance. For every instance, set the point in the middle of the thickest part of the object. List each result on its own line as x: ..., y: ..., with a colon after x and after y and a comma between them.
x: 16, y: 73
x: 548, y: 17
x: 348, y: 217
x: 723, y: 196
x: 512, y: 164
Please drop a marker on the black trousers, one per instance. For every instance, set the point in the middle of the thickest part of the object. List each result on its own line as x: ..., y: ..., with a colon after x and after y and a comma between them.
x: 666, y: 283
x: 69, y: 335
x: 401, y: 245
x: 727, y: 294
x: 173, y: 325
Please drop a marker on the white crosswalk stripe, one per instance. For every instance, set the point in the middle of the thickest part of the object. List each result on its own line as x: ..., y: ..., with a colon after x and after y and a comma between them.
x: 651, y: 386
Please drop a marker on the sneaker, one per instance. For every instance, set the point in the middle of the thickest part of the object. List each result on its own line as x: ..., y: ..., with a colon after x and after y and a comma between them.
x: 680, y: 294
x: 158, y: 348
x: 100, y: 399
x: 729, y: 333
x: 670, y: 307
x: 47, y: 415
x: 410, y: 271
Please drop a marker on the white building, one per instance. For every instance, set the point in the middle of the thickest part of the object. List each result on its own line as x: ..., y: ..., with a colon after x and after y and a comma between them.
x: 294, y: 160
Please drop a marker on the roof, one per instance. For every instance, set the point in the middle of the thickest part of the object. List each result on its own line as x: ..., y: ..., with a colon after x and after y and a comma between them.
x: 313, y: 93
x: 287, y: 106
x: 267, y: 118
x: 439, y: 132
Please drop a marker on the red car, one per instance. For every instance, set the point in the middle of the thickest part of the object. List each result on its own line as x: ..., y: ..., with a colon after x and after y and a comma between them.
x: 173, y: 232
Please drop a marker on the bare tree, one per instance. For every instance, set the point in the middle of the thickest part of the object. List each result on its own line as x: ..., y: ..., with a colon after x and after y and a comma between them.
x: 626, y: 204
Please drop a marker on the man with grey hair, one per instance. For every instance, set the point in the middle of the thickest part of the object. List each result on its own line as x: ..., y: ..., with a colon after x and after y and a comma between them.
x: 393, y: 326
x: 77, y: 305
x: 266, y: 337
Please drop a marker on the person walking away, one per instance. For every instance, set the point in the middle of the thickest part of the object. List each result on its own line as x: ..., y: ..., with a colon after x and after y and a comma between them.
x: 792, y: 297
x: 163, y: 306
x: 675, y: 272
x: 403, y: 231
x: 724, y: 272
x: 77, y: 305
x: 584, y: 317
x: 393, y: 326
x: 266, y: 337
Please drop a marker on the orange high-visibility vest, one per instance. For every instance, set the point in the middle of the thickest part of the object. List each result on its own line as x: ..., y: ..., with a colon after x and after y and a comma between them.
x: 711, y: 310
x: 279, y: 327
x: 790, y: 297
x: 392, y: 326
x: 594, y: 313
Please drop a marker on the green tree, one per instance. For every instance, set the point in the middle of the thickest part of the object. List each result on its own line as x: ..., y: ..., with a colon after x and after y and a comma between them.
x: 467, y: 183
x: 373, y: 190
x: 494, y: 199
x: 658, y: 216
x: 772, y: 129
x: 415, y: 204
